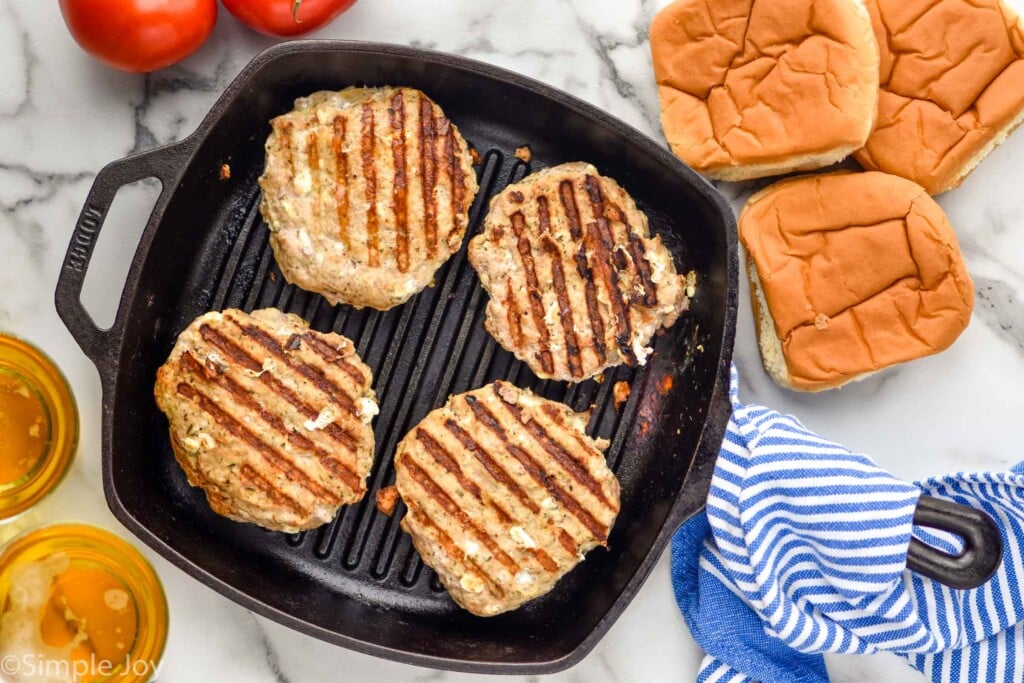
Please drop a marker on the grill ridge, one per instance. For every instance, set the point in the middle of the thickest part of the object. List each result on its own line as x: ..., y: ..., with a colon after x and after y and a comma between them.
x: 399, y: 345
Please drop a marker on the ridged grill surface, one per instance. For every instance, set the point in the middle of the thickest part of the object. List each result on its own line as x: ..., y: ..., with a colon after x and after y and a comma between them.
x: 420, y: 353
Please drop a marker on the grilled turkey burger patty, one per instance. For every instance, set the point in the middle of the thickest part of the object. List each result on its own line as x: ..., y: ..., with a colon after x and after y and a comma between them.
x: 269, y: 418
x: 577, y: 283
x: 366, y: 192
x: 505, y: 495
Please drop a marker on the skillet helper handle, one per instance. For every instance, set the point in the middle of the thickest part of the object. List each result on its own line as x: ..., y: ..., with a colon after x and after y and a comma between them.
x: 163, y: 163
x: 983, y: 545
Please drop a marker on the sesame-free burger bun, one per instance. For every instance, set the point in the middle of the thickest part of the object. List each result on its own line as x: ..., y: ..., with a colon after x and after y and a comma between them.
x: 758, y: 89
x: 851, y: 273
x: 952, y: 87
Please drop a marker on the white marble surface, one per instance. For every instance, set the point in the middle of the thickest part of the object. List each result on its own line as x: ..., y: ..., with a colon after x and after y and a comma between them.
x: 62, y: 116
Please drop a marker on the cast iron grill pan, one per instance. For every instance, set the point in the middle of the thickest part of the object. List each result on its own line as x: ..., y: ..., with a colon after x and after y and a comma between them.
x: 357, y: 581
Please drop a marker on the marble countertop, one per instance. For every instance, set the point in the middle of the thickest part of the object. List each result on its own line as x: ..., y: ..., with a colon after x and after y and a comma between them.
x: 63, y: 116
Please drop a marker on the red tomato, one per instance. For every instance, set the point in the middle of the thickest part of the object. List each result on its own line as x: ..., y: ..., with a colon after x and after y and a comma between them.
x: 286, y: 17
x: 139, y: 35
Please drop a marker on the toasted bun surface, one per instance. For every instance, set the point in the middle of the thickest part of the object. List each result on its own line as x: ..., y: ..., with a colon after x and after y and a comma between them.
x: 366, y: 193
x: 757, y: 89
x: 851, y: 273
x: 952, y: 87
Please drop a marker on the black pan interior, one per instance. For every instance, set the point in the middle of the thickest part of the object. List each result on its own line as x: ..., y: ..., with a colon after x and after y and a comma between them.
x: 357, y: 581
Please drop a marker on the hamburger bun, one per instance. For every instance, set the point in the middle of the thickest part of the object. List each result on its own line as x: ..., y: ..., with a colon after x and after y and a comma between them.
x: 952, y: 87
x: 752, y: 90
x: 851, y: 273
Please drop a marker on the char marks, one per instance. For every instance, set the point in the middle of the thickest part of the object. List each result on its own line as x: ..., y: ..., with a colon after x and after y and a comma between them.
x: 599, y: 245
x: 428, y: 175
x: 339, y: 130
x: 313, y: 160
x: 401, y: 202
x: 580, y: 295
x: 366, y: 193
x: 533, y: 291
x: 535, y: 465
x: 368, y: 150
x: 266, y: 416
x: 514, y: 484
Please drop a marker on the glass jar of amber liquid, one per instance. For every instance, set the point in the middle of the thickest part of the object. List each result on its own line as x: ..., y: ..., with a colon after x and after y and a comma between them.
x: 38, y: 425
x: 80, y: 604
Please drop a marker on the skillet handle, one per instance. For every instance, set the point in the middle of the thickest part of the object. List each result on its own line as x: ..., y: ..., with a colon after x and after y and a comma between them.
x: 983, y: 545
x: 163, y: 163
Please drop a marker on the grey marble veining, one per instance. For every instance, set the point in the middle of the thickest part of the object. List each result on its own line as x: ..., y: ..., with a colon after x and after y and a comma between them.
x: 62, y: 117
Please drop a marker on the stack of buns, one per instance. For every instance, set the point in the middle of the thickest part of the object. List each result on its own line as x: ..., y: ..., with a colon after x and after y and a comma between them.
x: 923, y: 89
x: 855, y: 272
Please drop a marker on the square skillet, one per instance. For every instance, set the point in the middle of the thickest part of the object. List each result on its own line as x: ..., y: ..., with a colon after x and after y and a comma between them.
x: 357, y: 582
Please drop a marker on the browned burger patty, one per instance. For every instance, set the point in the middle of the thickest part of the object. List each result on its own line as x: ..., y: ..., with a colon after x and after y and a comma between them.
x: 366, y: 192
x: 577, y: 283
x: 268, y: 417
x: 506, y: 494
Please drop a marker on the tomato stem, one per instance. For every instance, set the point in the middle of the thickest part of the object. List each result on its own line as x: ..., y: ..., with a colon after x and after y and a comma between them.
x: 295, y: 11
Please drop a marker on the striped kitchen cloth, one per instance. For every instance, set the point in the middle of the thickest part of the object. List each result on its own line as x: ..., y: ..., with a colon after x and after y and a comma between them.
x: 802, y: 550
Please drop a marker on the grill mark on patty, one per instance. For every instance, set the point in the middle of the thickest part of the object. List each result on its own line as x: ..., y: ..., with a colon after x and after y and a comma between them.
x: 334, y: 393
x: 400, y: 198
x: 567, y: 542
x: 595, y: 527
x: 484, y: 415
x: 572, y: 345
x: 533, y: 293
x: 238, y: 354
x: 449, y: 463
x: 455, y: 552
x: 638, y: 254
x: 544, y: 560
x: 333, y: 356
x: 600, y: 244
x: 515, y: 325
x: 261, y: 483
x: 567, y: 192
x: 246, y: 400
x: 341, y: 179
x: 445, y: 460
x: 558, y: 452
x: 369, y: 143
x: 454, y: 172
x: 431, y: 488
x: 313, y: 159
x: 543, y: 214
x: 270, y: 454
x: 494, y: 469
x: 285, y: 131
x: 593, y: 306
x: 428, y: 163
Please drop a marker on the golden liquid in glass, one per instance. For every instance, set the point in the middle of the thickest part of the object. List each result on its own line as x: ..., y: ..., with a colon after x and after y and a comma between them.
x: 82, y: 602
x: 38, y: 425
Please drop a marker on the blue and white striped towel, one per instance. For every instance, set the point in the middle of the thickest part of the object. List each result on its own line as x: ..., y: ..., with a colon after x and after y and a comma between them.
x: 803, y: 549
